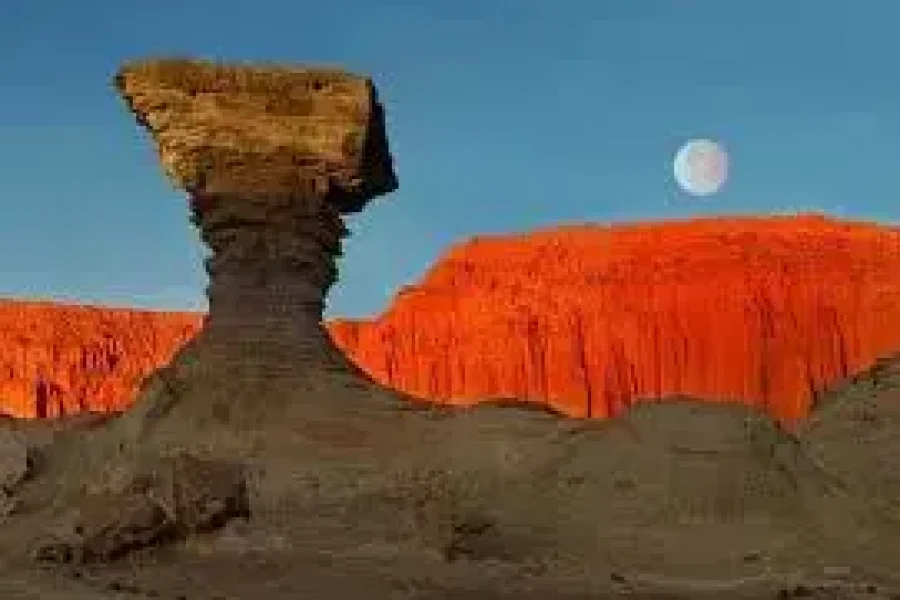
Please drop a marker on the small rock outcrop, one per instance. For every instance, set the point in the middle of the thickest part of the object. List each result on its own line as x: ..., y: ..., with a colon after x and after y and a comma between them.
x: 168, y: 500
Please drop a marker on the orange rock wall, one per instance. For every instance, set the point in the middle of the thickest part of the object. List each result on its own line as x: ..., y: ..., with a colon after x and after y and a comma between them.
x: 590, y: 318
x: 57, y: 358
x: 587, y: 318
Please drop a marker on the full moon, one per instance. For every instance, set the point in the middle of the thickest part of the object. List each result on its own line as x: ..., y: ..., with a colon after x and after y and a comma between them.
x: 701, y: 167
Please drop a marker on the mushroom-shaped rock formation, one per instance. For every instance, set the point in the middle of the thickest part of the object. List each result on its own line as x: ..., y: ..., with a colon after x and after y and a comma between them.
x: 271, y: 157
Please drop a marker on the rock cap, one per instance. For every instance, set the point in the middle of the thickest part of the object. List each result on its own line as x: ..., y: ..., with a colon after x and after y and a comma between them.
x: 256, y: 130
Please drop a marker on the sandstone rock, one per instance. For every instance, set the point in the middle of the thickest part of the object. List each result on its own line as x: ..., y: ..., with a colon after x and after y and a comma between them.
x: 767, y: 311
x: 588, y: 319
x: 252, y: 132
x: 58, y: 359
x: 801, y: 328
x: 272, y: 157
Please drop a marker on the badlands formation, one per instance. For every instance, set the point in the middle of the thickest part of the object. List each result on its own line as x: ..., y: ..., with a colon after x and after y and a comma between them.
x: 590, y: 319
x: 261, y: 462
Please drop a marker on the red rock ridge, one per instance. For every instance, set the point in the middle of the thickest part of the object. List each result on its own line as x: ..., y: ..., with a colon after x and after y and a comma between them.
x: 590, y: 318
x: 64, y: 359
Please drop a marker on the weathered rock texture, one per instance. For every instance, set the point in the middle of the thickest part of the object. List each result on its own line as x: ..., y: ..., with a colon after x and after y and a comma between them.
x: 763, y: 310
x: 271, y: 158
x: 57, y: 359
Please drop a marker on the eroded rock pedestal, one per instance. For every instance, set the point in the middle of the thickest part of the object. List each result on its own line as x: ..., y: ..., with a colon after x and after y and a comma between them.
x: 271, y: 157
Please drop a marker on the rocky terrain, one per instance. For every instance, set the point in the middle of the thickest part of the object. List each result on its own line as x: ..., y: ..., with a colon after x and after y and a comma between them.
x: 588, y: 319
x: 260, y: 462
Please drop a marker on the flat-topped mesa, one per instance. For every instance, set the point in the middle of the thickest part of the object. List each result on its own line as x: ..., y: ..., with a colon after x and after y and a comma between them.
x: 271, y: 157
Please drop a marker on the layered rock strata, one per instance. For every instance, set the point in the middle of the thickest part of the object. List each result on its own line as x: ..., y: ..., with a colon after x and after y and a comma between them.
x: 768, y: 311
x: 58, y: 359
x: 271, y: 158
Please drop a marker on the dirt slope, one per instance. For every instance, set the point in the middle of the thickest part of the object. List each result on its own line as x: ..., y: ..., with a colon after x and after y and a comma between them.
x: 682, y: 499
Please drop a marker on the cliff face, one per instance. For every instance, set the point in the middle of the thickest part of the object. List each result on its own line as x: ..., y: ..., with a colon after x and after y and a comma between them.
x: 58, y: 359
x: 766, y: 311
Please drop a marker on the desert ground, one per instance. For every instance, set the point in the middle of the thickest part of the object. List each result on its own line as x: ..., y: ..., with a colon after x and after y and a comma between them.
x: 351, y: 492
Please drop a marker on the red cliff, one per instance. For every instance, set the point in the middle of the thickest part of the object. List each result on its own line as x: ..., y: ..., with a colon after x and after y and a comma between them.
x: 589, y: 318
x: 61, y: 359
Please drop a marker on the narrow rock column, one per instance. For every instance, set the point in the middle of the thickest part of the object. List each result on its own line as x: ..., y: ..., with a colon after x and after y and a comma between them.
x: 271, y: 158
x: 272, y: 263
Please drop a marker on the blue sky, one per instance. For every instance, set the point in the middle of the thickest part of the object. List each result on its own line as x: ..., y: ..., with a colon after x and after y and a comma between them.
x: 504, y: 115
